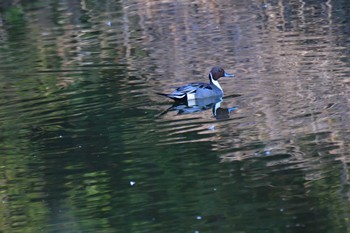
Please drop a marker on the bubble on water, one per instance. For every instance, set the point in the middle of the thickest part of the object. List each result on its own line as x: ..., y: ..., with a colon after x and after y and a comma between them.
x: 199, y: 217
x: 132, y: 183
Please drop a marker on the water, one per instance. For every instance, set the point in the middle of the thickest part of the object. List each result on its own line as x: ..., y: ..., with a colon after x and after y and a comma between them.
x: 87, y: 145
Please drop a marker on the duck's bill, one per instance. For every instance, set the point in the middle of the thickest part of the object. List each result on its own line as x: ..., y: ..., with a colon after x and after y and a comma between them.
x: 228, y: 75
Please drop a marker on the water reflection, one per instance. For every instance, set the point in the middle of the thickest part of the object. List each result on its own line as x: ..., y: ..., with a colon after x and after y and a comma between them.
x: 200, y: 105
x: 82, y: 150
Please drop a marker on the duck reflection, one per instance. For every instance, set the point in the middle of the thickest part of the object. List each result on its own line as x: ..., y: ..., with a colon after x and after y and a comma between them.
x: 222, y: 113
x: 199, y: 105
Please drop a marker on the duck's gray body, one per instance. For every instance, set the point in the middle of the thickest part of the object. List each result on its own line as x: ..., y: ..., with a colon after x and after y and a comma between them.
x: 195, y: 91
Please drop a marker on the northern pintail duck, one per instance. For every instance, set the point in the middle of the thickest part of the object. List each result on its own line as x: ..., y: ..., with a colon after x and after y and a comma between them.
x: 200, y: 90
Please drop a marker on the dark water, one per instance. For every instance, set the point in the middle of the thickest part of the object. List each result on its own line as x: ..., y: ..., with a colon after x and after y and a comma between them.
x: 87, y: 146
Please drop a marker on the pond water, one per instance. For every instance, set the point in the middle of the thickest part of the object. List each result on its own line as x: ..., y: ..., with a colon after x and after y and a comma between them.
x: 88, y: 146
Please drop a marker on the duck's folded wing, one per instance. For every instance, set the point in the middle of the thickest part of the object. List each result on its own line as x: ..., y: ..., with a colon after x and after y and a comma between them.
x: 190, y: 88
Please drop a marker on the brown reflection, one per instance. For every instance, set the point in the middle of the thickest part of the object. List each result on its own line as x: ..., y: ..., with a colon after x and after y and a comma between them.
x: 295, y: 59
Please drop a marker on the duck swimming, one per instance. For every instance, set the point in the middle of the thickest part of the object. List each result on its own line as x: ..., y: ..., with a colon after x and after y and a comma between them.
x: 200, y: 90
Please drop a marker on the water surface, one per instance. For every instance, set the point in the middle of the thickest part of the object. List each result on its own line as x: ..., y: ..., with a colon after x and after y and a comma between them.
x: 87, y: 145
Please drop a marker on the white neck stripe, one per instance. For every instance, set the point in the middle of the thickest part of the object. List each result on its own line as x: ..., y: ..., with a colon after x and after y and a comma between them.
x: 216, y: 83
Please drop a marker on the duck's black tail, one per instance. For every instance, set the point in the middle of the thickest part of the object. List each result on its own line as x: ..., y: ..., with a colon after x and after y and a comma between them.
x: 163, y: 94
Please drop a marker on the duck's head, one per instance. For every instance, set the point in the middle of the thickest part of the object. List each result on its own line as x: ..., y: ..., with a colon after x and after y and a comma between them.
x: 218, y: 72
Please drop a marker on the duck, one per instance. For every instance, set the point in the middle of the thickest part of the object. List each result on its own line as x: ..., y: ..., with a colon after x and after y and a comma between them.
x: 199, y: 90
